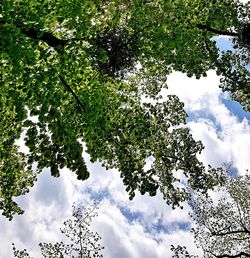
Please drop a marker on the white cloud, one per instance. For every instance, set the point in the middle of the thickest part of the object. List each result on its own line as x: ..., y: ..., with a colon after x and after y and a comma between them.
x: 49, y: 203
x: 226, y: 139
x: 196, y: 94
x: 129, y: 240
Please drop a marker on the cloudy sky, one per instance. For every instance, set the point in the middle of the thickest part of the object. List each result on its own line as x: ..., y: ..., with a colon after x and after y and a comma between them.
x: 146, y: 226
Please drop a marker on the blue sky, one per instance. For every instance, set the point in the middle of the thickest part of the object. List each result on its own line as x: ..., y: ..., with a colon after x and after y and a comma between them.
x: 146, y: 226
x: 236, y: 109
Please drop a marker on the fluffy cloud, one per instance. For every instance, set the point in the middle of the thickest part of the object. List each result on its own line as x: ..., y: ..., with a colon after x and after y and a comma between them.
x: 225, y: 136
x: 49, y: 203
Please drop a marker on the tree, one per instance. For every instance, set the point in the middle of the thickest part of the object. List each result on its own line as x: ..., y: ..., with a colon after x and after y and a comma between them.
x: 68, y: 75
x: 223, y: 226
x: 84, y: 242
x: 223, y: 229
x: 180, y: 36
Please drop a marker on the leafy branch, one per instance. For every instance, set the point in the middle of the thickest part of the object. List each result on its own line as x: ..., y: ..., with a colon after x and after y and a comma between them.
x: 72, y: 92
x: 216, y: 31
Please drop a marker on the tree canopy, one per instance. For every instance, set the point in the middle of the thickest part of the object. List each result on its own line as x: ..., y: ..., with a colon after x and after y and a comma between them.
x: 223, y: 228
x: 83, y: 242
x: 223, y: 223
x: 69, y: 77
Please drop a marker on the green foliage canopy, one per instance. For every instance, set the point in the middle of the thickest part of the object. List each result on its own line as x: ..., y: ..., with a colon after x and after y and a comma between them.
x: 68, y: 77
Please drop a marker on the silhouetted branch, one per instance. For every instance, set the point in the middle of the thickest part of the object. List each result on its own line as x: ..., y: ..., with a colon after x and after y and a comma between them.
x: 241, y: 254
x: 245, y: 231
x: 46, y: 37
x: 216, y: 31
x: 72, y: 92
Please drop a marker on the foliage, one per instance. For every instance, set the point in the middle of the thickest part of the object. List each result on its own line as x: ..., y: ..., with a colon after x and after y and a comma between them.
x: 181, y: 252
x: 16, y: 175
x: 223, y: 226
x: 223, y: 229
x: 68, y: 76
x: 84, y: 242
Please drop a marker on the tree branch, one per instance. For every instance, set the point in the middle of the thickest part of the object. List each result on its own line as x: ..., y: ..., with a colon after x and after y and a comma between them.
x: 46, y: 37
x: 245, y: 231
x: 233, y: 256
x: 81, y: 250
x: 216, y: 31
x: 72, y: 92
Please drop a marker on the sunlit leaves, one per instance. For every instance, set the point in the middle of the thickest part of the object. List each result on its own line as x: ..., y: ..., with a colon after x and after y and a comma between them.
x: 16, y: 177
x: 69, y: 77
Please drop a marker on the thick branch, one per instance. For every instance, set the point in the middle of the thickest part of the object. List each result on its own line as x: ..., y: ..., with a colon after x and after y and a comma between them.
x: 216, y: 31
x: 72, y: 92
x: 241, y: 254
x: 245, y: 231
x: 46, y: 37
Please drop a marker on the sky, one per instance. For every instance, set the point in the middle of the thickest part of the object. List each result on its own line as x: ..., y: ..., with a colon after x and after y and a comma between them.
x: 146, y: 226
